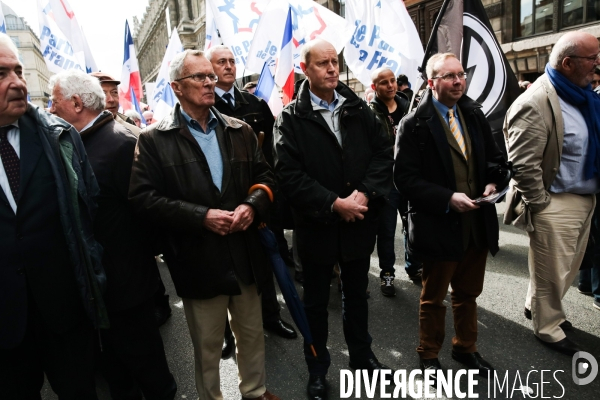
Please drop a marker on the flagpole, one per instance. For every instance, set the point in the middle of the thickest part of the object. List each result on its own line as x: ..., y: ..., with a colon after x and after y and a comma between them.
x: 438, y: 20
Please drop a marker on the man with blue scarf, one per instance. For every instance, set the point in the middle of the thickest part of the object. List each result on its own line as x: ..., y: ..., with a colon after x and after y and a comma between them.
x: 553, y: 140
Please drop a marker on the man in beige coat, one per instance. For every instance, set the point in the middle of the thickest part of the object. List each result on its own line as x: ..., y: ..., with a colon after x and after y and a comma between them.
x: 552, y: 139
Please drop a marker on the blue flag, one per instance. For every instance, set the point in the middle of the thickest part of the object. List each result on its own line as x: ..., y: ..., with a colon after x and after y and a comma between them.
x: 136, y: 105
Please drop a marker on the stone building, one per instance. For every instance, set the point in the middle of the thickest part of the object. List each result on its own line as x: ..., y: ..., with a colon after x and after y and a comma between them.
x: 526, y: 29
x: 28, y: 43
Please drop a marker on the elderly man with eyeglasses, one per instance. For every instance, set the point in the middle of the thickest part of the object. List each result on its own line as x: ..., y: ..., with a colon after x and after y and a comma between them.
x: 553, y: 139
x: 201, y: 177
x: 446, y: 158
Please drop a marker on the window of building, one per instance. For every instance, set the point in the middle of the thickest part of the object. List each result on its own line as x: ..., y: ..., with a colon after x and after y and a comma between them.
x: 14, y: 23
x: 577, y: 12
x: 534, y: 16
x: 15, y: 40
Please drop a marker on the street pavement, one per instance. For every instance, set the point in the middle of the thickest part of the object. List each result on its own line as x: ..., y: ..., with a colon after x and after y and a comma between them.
x: 505, y: 336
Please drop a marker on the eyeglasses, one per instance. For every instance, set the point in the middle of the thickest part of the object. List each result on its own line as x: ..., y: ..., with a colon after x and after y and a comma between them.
x: 450, y: 77
x: 200, y: 77
x: 592, y: 59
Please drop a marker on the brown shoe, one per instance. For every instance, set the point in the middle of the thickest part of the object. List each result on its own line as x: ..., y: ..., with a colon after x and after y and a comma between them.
x: 265, y: 396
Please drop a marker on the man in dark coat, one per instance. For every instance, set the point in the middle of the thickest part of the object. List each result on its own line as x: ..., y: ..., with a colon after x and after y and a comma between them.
x: 334, y: 165
x: 200, y: 177
x: 133, y: 356
x: 390, y: 108
x: 445, y: 158
x: 254, y: 111
x: 51, y: 273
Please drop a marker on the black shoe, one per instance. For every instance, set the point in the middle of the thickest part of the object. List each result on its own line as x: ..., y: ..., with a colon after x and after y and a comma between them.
x: 584, y: 289
x: 474, y: 361
x: 228, y: 346
x: 431, y: 363
x: 162, y: 314
x: 565, y: 326
x: 299, y: 277
x: 317, y: 387
x: 416, y: 277
x: 281, y: 328
x: 370, y: 364
x: 387, y: 285
x: 565, y: 346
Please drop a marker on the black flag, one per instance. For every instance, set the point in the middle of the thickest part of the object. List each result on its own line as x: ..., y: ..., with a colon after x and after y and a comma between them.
x: 463, y: 28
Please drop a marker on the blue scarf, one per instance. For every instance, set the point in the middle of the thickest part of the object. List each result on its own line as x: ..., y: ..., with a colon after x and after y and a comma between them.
x: 588, y: 103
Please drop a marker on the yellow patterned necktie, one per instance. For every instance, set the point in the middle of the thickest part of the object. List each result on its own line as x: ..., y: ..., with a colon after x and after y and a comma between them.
x: 457, y: 134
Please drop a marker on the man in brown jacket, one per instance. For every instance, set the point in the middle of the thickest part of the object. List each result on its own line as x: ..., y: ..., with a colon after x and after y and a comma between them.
x: 552, y: 139
x: 195, y: 176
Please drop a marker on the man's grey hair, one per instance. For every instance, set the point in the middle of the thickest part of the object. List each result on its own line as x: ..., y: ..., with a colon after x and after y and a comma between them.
x: 87, y: 87
x: 431, y: 69
x: 210, y: 51
x: 375, y: 74
x: 306, y: 49
x: 5, y: 40
x: 176, y: 66
x: 134, y: 115
x: 564, y: 47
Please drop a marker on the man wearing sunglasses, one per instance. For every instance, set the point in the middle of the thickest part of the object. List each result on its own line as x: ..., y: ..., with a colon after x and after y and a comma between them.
x: 553, y: 139
x: 445, y: 159
x: 200, y: 176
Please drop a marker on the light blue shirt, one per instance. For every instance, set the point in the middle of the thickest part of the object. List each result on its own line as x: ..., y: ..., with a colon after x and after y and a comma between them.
x: 14, y: 138
x: 221, y: 92
x: 569, y: 178
x: 89, y: 125
x: 443, y: 110
x: 209, y: 144
x: 330, y: 112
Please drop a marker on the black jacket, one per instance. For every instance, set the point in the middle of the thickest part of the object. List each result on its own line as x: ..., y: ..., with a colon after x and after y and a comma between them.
x: 313, y: 170
x: 424, y: 174
x: 128, y: 255
x: 381, y: 110
x: 172, y: 188
x: 255, y: 112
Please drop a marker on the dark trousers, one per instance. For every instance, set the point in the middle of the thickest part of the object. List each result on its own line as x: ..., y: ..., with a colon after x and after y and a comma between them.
x: 355, y: 311
x: 386, y: 234
x: 133, y: 358
x: 67, y: 360
x: 466, y: 278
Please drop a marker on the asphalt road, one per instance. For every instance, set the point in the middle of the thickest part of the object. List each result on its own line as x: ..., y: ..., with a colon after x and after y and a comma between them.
x: 505, y: 337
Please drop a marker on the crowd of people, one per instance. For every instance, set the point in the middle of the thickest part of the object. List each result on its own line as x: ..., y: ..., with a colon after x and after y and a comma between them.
x: 90, y: 199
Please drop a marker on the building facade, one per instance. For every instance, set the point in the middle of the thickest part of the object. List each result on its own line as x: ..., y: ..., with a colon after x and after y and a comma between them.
x: 28, y: 43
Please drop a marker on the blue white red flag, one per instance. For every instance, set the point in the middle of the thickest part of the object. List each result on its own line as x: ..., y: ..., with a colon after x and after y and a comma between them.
x: 212, y: 33
x: 130, y: 74
x: 284, y: 73
x: 136, y: 106
x: 267, y: 90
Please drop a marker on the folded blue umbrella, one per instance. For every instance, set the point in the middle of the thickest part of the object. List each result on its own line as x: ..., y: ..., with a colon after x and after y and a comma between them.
x: 286, y: 284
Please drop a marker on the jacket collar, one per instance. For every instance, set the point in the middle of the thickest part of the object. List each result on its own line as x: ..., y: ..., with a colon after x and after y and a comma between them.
x: 381, y: 107
x: 237, y: 94
x: 176, y: 121
x: 104, y: 118
x: 304, y: 105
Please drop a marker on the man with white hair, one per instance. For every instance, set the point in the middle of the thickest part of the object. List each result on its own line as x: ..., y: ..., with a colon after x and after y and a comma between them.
x: 201, y: 178
x: 51, y: 275
x: 553, y: 139
x: 133, y: 357
x: 135, y: 117
x: 149, y: 117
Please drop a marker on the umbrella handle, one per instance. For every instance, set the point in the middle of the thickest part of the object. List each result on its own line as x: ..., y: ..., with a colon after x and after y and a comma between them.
x: 312, y: 348
x: 263, y: 187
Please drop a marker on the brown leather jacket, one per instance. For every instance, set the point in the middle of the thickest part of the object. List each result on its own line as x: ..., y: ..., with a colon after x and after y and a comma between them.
x: 172, y: 188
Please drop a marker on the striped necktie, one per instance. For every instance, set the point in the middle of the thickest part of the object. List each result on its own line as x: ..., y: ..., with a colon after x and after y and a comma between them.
x: 457, y: 134
x: 11, y: 162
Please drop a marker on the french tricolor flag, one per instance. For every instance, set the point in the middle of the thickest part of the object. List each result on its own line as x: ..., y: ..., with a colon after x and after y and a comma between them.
x: 130, y: 74
x: 266, y: 90
x: 284, y: 74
